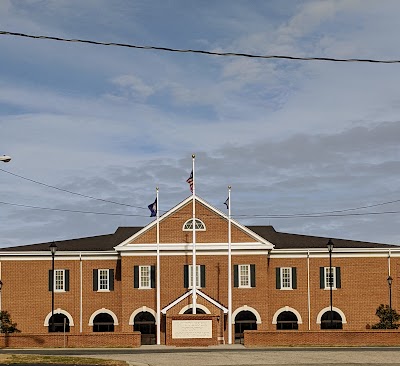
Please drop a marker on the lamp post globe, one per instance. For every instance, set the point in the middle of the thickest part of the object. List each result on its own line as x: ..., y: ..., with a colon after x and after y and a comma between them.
x: 5, y: 158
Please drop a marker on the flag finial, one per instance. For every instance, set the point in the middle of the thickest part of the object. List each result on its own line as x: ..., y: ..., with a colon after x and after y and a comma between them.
x: 193, y: 156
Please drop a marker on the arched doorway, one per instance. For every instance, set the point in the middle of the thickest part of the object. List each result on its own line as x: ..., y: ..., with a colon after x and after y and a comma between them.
x: 198, y: 311
x: 103, y: 322
x: 61, y: 323
x: 245, y: 320
x: 331, y: 322
x: 145, y: 323
x: 287, y: 320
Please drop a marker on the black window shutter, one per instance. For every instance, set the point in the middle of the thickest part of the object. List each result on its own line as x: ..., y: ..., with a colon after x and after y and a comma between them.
x: 111, y: 279
x: 235, y: 275
x: 186, y: 276
x: 95, y: 280
x: 136, y: 276
x: 202, y: 276
x: 294, y: 278
x: 66, y: 280
x: 252, y: 275
x: 153, y: 276
x: 338, y: 279
x: 51, y: 278
x: 278, y: 277
x: 321, y: 277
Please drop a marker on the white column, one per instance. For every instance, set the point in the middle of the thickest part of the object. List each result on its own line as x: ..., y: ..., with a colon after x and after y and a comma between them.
x: 194, y: 272
x: 158, y: 320
x: 229, y: 269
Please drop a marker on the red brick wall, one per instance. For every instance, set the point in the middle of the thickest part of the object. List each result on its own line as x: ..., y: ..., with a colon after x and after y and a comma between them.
x: 216, y: 228
x: 70, y: 340
x: 256, y: 338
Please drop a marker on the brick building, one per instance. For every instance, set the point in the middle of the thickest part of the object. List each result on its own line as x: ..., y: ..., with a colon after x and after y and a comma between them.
x: 279, y: 281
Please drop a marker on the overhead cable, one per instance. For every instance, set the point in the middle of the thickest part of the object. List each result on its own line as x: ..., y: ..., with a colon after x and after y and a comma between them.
x: 180, y: 217
x: 211, y: 53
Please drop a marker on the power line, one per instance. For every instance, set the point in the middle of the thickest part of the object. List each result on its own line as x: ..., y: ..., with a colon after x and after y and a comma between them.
x: 65, y: 210
x: 70, y: 192
x: 212, y: 53
x: 180, y: 217
x: 309, y: 214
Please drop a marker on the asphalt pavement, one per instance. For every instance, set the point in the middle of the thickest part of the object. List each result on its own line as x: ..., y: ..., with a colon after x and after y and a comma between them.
x: 233, y: 355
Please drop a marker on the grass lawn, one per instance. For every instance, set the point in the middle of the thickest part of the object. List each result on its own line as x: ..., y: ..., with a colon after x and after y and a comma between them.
x: 7, y: 359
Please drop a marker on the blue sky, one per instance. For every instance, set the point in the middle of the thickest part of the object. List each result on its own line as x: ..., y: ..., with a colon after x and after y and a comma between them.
x: 113, y: 123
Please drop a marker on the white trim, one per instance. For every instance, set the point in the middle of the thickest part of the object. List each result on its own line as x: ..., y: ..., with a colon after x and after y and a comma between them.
x: 190, y: 306
x: 246, y: 308
x: 202, y: 294
x: 287, y: 308
x: 212, y: 301
x: 143, y: 309
x: 191, y: 220
x: 100, y: 311
x: 328, y: 308
x: 177, y: 301
x: 258, y: 239
x: 59, y: 311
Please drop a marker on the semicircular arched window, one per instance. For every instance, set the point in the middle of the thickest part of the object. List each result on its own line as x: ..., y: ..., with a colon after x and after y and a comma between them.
x: 199, y: 225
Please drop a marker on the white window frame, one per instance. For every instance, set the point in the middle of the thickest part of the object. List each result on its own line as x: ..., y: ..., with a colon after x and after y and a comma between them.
x: 286, y: 273
x: 244, y: 280
x: 198, y: 275
x: 326, y: 278
x: 188, y: 225
x: 100, y: 286
x: 146, y: 278
x: 61, y: 282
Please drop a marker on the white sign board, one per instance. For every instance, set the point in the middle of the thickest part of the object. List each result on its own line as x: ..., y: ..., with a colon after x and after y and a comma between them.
x: 192, y: 329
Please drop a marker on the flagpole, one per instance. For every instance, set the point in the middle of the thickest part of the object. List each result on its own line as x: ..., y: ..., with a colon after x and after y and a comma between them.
x: 229, y: 269
x: 194, y: 272
x: 158, y: 275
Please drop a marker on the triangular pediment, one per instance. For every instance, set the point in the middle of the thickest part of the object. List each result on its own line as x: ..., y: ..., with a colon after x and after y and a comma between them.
x: 175, y: 229
x: 190, y: 293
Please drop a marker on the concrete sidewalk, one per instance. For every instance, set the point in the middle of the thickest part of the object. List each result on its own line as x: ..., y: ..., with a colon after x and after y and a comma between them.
x: 238, y: 355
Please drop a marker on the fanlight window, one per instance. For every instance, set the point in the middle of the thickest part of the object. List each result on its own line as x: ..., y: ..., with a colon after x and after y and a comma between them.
x: 199, y: 225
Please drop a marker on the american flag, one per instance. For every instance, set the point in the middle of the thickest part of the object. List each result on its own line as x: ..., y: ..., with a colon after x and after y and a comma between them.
x: 190, y: 181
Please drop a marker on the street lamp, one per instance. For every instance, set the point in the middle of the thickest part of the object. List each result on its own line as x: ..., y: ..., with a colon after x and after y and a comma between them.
x: 5, y: 158
x: 330, y: 249
x: 53, y: 249
x: 389, y: 281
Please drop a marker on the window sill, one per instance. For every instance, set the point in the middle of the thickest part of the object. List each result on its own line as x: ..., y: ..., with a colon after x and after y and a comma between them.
x: 103, y: 290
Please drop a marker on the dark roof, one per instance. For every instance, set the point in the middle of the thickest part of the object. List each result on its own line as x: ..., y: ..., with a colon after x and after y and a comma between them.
x: 280, y: 240
x: 92, y: 243
x: 297, y: 241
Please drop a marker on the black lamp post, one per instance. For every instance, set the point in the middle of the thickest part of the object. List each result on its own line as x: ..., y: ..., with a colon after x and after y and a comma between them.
x: 1, y: 286
x: 390, y: 280
x: 330, y: 249
x: 53, y: 249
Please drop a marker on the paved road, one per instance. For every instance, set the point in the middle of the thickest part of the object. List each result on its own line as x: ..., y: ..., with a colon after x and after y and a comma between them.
x: 236, y: 355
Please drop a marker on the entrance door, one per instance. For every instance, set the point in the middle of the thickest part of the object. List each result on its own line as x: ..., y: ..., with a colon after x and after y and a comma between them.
x: 145, y: 323
x: 245, y: 320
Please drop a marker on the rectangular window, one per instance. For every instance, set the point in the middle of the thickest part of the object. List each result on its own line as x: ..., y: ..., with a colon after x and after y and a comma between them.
x: 286, y: 278
x: 104, y: 280
x: 198, y: 276
x: 145, y: 276
x: 330, y: 277
x: 59, y: 280
x: 244, y: 275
